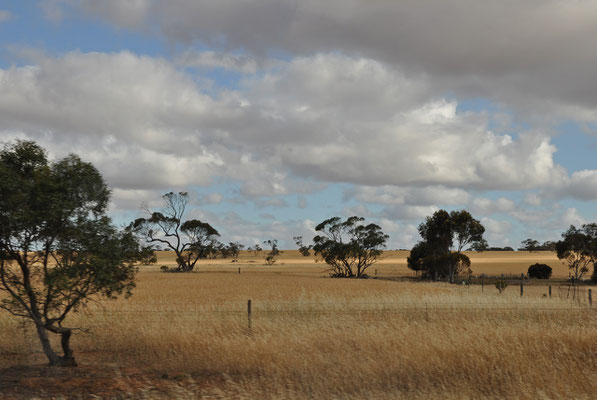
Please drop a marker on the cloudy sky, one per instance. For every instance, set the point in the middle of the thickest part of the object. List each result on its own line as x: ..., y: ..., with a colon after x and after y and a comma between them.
x: 277, y: 114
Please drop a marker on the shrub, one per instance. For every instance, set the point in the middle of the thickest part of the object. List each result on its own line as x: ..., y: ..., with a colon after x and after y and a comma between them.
x: 539, y: 271
x: 501, y: 285
x: 270, y: 260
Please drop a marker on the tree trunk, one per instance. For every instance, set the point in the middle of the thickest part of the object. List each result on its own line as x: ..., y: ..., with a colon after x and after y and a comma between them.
x: 67, y: 360
x: 42, y: 333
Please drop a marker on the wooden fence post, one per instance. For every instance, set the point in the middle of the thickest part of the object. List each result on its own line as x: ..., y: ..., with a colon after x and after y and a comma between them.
x: 590, y: 298
x: 521, y: 289
x: 550, y: 291
x: 239, y: 270
x: 249, y: 313
x: 482, y: 284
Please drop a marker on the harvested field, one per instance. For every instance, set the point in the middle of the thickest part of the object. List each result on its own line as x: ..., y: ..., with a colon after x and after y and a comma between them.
x: 313, y: 337
x: 392, y: 264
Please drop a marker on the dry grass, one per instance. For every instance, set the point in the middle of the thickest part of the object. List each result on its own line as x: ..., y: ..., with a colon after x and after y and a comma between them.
x: 322, y: 338
x: 393, y: 263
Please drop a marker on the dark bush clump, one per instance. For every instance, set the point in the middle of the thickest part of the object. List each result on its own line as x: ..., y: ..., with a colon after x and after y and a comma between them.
x: 539, y: 271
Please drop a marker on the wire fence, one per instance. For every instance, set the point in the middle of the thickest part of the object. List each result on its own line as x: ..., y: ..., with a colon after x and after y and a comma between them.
x: 251, y: 312
x: 565, y: 298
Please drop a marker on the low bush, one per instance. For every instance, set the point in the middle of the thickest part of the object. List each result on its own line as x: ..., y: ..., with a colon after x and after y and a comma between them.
x: 539, y: 271
x: 501, y: 285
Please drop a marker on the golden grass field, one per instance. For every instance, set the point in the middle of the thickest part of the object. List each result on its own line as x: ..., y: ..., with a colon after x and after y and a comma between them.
x: 393, y: 263
x: 313, y: 337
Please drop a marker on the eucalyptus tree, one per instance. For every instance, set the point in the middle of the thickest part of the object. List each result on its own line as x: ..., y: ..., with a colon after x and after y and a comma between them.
x: 349, y: 247
x: 579, y: 248
x: 302, y: 248
x: 58, y: 248
x: 444, y: 237
x: 190, y: 240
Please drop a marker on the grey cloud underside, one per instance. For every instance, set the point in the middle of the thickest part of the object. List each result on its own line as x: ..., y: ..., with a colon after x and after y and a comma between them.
x: 537, y: 56
x: 326, y: 118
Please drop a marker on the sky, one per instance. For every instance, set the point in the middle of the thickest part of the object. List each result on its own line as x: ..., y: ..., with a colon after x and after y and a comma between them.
x: 275, y: 115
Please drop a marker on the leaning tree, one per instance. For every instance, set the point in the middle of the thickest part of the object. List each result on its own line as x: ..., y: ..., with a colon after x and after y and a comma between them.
x: 191, y: 240
x: 58, y: 249
x: 349, y: 247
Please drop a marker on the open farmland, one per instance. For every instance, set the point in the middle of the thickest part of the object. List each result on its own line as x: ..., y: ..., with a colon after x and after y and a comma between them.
x: 309, y: 336
x: 392, y: 264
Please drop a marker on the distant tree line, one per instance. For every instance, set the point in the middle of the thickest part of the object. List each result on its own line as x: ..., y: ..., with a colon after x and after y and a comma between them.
x: 534, y: 245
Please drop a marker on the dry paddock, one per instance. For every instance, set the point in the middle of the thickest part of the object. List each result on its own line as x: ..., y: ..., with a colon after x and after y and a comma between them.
x: 313, y: 337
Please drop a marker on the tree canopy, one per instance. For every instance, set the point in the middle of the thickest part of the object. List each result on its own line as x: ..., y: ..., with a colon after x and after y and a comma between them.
x: 349, y: 247
x: 441, y: 233
x: 579, y: 248
x: 58, y: 249
x: 534, y: 245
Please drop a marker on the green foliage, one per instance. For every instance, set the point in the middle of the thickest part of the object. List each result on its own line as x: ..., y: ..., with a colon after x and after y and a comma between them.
x: 58, y: 249
x: 539, y: 271
x: 467, y: 230
x: 507, y: 248
x: 529, y: 245
x: 255, y: 249
x: 501, y: 285
x: 480, y: 246
x: 270, y: 257
x: 534, y: 245
x: 438, y: 266
x: 440, y: 233
x: 349, y: 247
x: 304, y: 250
x: 191, y: 240
x: 417, y: 255
x: 579, y: 248
x: 231, y: 250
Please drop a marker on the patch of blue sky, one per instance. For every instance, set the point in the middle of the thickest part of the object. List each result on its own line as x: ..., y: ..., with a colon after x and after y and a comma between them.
x: 29, y: 28
x: 221, y: 78
x: 496, y: 122
x: 586, y: 209
x: 320, y: 205
x: 576, y: 148
x: 476, y: 104
x: 124, y: 218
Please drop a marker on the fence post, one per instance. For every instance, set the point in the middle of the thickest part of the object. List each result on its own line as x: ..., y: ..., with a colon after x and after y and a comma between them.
x: 550, y: 291
x: 375, y: 271
x: 482, y: 284
x: 249, y: 313
x: 239, y: 270
x: 521, y: 285
x: 590, y: 298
